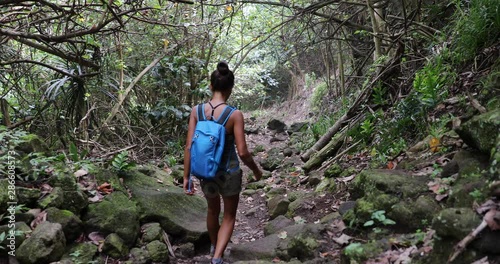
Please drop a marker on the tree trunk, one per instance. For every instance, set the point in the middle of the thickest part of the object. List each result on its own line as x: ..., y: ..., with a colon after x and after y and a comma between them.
x: 329, y: 150
x: 4, y: 106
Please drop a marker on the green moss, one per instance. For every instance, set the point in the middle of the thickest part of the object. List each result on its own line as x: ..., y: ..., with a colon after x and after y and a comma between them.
x: 455, y: 222
x: 333, y: 171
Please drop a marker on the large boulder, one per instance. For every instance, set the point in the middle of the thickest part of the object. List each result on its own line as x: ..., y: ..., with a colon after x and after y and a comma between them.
x: 296, y: 241
x: 455, y: 223
x: 414, y: 214
x: 159, y: 201
x: 71, y: 224
x: 278, y: 205
x: 480, y: 132
x: 46, y: 244
x: 80, y: 253
x: 114, y: 246
x: 116, y: 213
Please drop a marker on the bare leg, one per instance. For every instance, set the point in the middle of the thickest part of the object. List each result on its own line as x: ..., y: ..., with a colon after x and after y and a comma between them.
x: 227, y: 227
x: 213, y: 218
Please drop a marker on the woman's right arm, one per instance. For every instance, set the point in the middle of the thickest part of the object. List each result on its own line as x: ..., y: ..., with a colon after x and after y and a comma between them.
x: 241, y: 144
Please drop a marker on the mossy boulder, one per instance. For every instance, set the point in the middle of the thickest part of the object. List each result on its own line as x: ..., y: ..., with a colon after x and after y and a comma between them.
x: 20, y: 231
x: 151, y: 232
x: 327, y: 185
x: 470, y: 163
x: 54, y: 199
x: 301, y: 247
x: 116, y: 213
x: 46, y: 244
x: 414, y: 214
x: 157, y: 173
x: 75, y: 201
x: 455, y: 222
x: 277, y: 205
x: 107, y: 176
x: 64, y: 180
x: 256, y: 185
x: 158, y: 251
x: 299, y: 200
x: 278, y: 245
x: 71, y: 224
x: 139, y: 256
x: 467, y: 191
x: 272, y: 161
x: 480, y: 132
x: 277, y: 224
x: 278, y: 191
x: 31, y: 143
x: 4, y: 195
x: 333, y: 171
x: 80, y: 253
x: 169, y: 206
x: 114, y: 246
x: 360, y: 252
x: 367, y: 205
x: 394, y: 182
x: 27, y: 196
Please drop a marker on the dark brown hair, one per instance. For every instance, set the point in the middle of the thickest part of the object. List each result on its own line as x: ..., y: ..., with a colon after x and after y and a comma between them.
x: 222, y: 79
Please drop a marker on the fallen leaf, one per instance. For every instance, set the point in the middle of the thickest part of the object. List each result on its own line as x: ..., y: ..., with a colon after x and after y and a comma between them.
x: 342, y: 240
x: 492, y: 218
x: 105, y: 188
x: 41, y: 217
x: 282, y: 234
x: 80, y: 173
x: 434, y: 144
x: 96, y: 237
x: 390, y: 165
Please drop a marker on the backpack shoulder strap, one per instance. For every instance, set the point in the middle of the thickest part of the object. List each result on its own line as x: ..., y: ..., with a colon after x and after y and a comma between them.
x: 200, y: 112
x: 224, y: 117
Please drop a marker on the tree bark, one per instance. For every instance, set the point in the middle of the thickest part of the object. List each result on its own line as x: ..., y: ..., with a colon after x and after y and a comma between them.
x: 5, y: 112
x: 329, y: 150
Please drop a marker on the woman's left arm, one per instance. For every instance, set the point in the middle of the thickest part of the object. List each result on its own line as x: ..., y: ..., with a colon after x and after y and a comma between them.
x: 187, y: 152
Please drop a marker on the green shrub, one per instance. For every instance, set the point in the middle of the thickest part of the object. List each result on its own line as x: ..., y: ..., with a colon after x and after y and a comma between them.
x: 477, y: 25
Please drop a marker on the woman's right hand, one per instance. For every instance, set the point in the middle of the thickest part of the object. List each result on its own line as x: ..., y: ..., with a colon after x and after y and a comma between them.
x: 257, y: 175
x: 189, y: 190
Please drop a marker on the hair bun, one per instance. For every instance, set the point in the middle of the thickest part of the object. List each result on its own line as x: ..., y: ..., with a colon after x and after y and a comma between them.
x: 223, y: 68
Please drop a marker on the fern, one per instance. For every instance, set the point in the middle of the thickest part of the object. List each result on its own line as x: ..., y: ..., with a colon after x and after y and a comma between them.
x: 120, y: 162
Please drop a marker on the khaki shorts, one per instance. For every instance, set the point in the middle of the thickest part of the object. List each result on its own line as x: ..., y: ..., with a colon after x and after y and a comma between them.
x: 225, y: 184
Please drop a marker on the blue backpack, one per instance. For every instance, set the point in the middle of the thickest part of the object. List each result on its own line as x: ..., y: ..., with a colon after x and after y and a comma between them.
x: 207, y: 145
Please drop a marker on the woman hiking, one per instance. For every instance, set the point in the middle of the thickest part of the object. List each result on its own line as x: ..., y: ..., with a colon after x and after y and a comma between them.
x: 228, y: 180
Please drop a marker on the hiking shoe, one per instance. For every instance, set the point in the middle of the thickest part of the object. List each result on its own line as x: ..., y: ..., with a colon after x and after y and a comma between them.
x: 217, y: 261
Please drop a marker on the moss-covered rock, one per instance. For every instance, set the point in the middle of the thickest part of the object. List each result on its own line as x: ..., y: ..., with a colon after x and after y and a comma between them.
x: 465, y: 191
x: 114, y: 246
x: 158, y: 251
x: 414, y: 214
x: 169, y: 206
x: 103, y: 176
x: 367, y: 205
x: 186, y: 250
x: 277, y: 224
x: 327, y: 185
x: 151, y: 232
x: 139, y: 256
x: 46, y: 244
x: 299, y: 200
x: 80, y: 253
x: 278, y: 205
x: 478, y: 131
x: 302, y: 248
x: 455, y: 222
x: 275, y: 245
x: 333, y: 171
x: 157, y: 173
x: 279, y: 191
x: 272, y: 161
x: 75, y: 201
x: 4, y: 195
x: 359, y: 253
x: 114, y: 214
x: 54, y: 199
x: 64, y: 180
x: 71, y: 224
x: 27, y: 196
x: 470, y: 163
x: 394, y: 182
x: 256, y: 185
x: 19, y: 233
x: 31, y: 143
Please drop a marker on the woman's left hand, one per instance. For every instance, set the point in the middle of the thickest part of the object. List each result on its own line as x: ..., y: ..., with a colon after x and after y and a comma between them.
x: 189, y: 190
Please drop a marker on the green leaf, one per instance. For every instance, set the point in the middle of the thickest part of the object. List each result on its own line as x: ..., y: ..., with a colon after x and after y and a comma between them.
x: 369, y: 223
x: 73, y: 152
